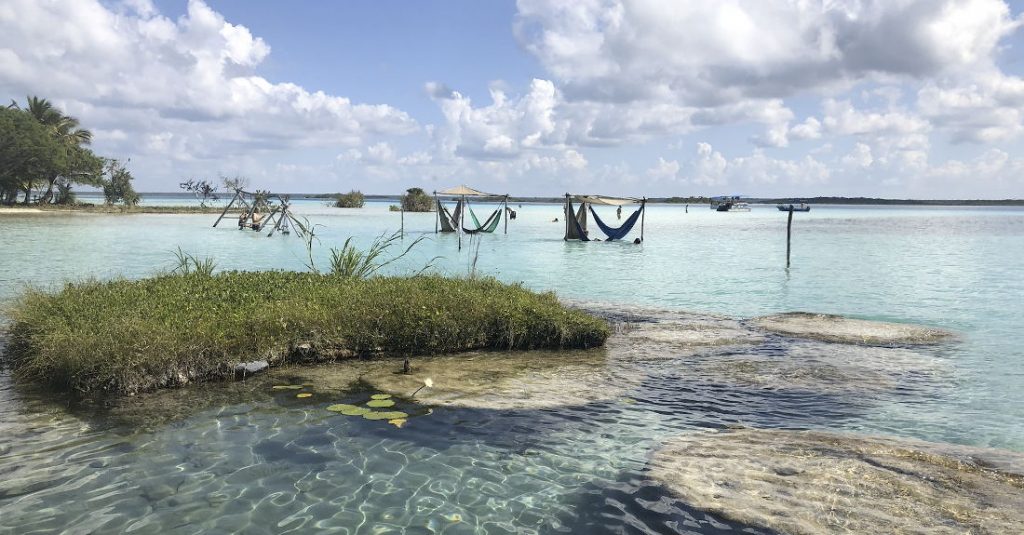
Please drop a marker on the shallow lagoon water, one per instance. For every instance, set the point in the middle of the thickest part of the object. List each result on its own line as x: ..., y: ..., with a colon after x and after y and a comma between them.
x: 244, y: 457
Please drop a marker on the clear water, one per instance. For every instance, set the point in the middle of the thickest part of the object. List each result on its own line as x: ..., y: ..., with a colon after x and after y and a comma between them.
x: 232, y: 458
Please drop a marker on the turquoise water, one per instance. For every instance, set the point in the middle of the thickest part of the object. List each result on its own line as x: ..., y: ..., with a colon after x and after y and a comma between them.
x: 261, y: 463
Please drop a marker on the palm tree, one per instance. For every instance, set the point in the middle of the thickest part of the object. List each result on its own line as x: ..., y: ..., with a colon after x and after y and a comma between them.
x: 65, y: 130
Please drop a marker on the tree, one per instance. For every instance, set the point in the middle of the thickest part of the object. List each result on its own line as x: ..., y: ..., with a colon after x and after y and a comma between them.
x: 352, y: 199
x: 234, y: 183
x: 416, y: 200
x: 202, y: 189
x: 28, y: 153
x: 117, y: 187
x: 68, y: 162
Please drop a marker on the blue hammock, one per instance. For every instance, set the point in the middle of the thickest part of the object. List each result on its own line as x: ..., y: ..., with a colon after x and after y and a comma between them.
x: 617, y: 233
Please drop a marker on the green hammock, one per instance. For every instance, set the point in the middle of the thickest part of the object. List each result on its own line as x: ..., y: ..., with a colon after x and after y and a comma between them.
x: 489, y: 226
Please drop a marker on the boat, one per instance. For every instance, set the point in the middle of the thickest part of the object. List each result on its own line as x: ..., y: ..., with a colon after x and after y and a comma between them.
x: 729, y: 203
x: 793, y: 208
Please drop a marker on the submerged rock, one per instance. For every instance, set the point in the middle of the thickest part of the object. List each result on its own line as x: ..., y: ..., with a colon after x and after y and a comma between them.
x: 818, y: 482
x: 653, y: 332
x: 686, y: 333
x: 832, y: 328
x: 531, y: 380
x: 823, y: 368
x: 249, y: 368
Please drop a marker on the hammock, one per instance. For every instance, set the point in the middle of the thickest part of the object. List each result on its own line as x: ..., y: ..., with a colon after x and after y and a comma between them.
x: 448, y: 220
x: 488, y: 226
x: 620, y: 232
x: 577, y: 226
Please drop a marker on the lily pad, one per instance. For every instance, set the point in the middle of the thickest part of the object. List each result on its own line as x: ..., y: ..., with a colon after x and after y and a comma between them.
x: 287, y: 387
x: 380, y: 403
x: 303, y: 395
x: 381, y: 396
x: 381, y: 415
x: 348, y: 410
x: 397, y: 422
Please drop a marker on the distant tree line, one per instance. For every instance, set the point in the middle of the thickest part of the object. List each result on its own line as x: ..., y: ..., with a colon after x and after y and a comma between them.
x: 44, y: 153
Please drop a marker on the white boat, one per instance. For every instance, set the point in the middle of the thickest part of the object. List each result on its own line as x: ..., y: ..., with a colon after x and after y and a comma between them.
x: 729, y: 203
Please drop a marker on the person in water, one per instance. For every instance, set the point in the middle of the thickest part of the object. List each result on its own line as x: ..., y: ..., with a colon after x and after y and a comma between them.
x: 257, y: 219
x: 618, y: 212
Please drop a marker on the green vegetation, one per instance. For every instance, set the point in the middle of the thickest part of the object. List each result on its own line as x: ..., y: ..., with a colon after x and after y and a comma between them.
x: 688, y: 200
x: 352, y: 199
x: 41, y: 147
x: 416, y: 200
x: 123, y: 336
x: 118, y: 188
x: 350, y: 262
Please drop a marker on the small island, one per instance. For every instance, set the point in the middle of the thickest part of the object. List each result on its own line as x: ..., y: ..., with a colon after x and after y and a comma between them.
x: 129, y: 336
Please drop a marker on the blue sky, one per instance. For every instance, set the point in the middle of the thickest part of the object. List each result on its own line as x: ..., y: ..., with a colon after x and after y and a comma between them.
x: 897, y: 98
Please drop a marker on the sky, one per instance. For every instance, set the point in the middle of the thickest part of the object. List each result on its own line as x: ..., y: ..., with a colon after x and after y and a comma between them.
x: 886, y: 98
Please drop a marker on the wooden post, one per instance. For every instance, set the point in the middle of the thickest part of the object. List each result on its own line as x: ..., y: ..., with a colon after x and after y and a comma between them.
x: 643, y: 216
x: 462, y: 219
x: 789, y: 233
x: 402, y: 231
x: 565, y: 209
x: 506, y: 213
x: 226, y: 208
x: 270, y: 219
x: 437, y: 208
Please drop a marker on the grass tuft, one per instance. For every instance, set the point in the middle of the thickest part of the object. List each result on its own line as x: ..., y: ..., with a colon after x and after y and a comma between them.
x: 128, y: 336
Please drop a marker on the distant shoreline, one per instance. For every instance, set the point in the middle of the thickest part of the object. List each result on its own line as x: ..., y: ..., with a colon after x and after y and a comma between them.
x: 100, y: 208
x: 110, y: 209
x: 704, y: 200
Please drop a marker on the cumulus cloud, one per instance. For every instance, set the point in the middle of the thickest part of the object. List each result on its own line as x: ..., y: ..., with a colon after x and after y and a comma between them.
x: 189, y: 88
x: 710, y: 168
x: 985, y: 107
x: 709, y: 53
x: 664, y: 170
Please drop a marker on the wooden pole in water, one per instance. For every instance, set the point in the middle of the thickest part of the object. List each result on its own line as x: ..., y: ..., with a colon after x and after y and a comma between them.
x: 565, y: 208
x: 402, y: 231
x: 789, y: 233
x: 506, y: 213
x: 437, y: 208
x: 462, y: 219
x: 643, y: 214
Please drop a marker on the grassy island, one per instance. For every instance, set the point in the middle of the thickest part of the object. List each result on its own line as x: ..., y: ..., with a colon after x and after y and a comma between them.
x: 128, y: 336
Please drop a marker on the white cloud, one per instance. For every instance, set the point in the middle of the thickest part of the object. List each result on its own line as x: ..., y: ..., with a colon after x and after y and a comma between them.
x: 708, y: 53
x: 711, y: 169
x: 708, y: 168
x: 664, y: 170
x: 983, y: 107
x: 860, y: 156
x: 188, y: 88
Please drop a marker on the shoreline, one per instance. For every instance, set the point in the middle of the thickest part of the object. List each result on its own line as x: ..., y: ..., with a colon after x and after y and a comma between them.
x: 115, y: 209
